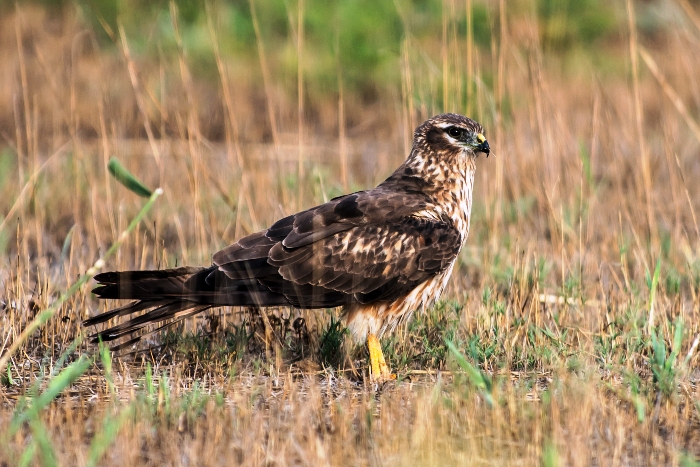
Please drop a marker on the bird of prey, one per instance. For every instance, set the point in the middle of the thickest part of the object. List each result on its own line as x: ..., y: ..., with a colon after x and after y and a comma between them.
x: 381, y: 254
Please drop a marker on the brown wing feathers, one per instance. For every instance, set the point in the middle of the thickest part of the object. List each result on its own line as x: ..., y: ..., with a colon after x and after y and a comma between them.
x: 392, y: 257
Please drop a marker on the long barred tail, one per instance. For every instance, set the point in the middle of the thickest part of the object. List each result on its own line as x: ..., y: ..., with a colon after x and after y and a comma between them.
x: 163, y: 292
x: 171, y: 295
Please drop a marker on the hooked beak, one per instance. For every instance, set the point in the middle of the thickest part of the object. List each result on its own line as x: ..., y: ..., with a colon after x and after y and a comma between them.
x: 483, y: 145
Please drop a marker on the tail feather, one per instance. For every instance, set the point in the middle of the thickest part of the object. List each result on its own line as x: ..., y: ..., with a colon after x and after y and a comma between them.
x: 171, y: 294
x: 161, y: 313
x: 144, y: 285
x: 163, y: 292
x: 115, y: 277
x: 133, y: 307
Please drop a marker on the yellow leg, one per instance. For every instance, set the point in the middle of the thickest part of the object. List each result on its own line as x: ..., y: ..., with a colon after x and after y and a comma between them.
x: 378, y: 367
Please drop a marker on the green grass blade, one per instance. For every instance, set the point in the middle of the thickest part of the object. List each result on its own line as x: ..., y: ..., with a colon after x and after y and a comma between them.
x: 150, y: 388
x: 105, y: 437
x: 586, y: 162
x: 550, y: 455
x: 639, y: 407
x: 106, y: 359
x: 7, y: 380
x: 652, y: 294
x: 65, y: 250
x: 56, y: 386
x: 46, y: 452
x: 69, y: 351
x: 27, y: 456
x: 474, y: 375
x: 477, y: 378
x: 126, y: 178
x: 64, y: 379
x: 677, y: 341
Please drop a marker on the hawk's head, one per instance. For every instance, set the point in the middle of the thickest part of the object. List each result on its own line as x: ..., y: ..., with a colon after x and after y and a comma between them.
x: 452, y: 133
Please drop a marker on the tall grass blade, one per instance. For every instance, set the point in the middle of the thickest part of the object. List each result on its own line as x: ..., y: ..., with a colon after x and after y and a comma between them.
x: 652, y: 295
x: 126, y: 178
x: 65, y: 250
x: 27, y: 456
x: 478, y: 379
x: 62, y: 358
x: 56, y: 386
x: 106, y: 359
x: 105, y: 437
x: 550, y: 455
x: 47, y: 454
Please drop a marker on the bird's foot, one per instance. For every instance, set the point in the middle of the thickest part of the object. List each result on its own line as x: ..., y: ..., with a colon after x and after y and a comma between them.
x: 379, y: 370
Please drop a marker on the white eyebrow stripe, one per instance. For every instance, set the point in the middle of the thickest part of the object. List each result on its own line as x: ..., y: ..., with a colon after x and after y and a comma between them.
x: 446, y: 125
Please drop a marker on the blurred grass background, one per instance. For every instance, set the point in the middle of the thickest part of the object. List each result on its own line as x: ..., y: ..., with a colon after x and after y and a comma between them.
x: 575, y: 306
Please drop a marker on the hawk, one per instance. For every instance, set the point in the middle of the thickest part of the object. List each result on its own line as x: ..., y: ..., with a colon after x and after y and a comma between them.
x: 381, y: 254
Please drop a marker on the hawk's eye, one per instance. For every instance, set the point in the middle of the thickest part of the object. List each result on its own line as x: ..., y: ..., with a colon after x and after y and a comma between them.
x: 454, y: 132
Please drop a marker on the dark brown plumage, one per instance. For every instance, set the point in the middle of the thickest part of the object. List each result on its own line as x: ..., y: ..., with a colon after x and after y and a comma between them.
x: 380, y: 253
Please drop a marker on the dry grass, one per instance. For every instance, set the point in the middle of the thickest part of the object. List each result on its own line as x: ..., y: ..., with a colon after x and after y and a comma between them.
x: 575, y: 308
